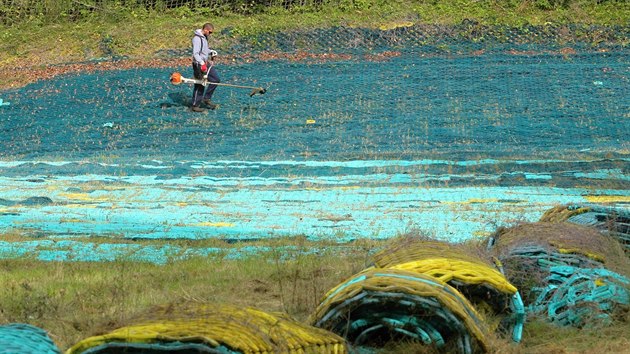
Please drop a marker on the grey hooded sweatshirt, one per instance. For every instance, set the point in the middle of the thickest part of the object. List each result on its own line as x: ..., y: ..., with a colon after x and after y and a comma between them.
x: 200, y: 48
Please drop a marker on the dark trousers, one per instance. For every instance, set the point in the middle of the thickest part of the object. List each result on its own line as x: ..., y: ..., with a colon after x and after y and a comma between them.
x: 198, y: 90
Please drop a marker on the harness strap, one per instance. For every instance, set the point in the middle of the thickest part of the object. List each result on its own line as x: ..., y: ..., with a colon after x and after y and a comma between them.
x: 201, y: 46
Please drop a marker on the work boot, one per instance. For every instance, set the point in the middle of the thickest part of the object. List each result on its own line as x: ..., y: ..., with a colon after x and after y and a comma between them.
x: 197, y: 109
x: 210, y: 104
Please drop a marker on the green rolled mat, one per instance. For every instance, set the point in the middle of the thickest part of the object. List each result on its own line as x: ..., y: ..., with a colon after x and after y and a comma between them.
x: 211, y: 328
x: 378, y: 306
x: 20, y: 338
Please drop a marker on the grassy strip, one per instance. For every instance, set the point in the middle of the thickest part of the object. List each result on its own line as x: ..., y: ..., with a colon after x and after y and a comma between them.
x: 73, y: 301
x: 139, y: 34
x: 76, y: 300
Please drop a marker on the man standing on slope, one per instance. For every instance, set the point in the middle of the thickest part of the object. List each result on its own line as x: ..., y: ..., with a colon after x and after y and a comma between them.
x: 202, y: 67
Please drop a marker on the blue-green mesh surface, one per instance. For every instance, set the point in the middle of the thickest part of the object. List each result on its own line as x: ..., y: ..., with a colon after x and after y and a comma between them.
x: 455, y: 136
x: 408, y: 107
x: 25, y: 339
x: 423, y: 39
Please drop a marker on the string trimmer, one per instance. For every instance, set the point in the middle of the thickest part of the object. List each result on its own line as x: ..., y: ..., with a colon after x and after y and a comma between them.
x: 177, y: 78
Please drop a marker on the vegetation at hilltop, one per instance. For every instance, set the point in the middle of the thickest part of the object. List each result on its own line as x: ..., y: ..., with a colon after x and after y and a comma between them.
x: 42, y: 33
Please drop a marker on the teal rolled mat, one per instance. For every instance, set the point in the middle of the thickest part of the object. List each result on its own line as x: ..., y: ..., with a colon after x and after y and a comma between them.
x: 25, y: 339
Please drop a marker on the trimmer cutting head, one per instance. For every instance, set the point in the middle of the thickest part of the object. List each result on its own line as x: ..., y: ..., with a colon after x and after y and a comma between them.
x: 258, y: 90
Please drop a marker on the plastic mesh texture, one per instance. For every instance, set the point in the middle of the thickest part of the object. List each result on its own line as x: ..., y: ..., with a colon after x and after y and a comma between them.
x: 608, y: 220
x: 213, y: 329
x: 379, y: 305
x: 478, y: 280
x: 564, y: 270
x: 25, y: 339
x: 467, y: 37
x: 580, y: 296
x: 464, y: 107
x: 566, y: 240
x: 445, y: 262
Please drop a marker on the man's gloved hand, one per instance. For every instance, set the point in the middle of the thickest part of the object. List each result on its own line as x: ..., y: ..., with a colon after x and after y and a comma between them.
x: 204, y: 68
x: 213, y: 53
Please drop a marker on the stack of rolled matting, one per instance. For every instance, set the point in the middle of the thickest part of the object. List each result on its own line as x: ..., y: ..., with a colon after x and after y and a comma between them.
x: 566, y: 270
